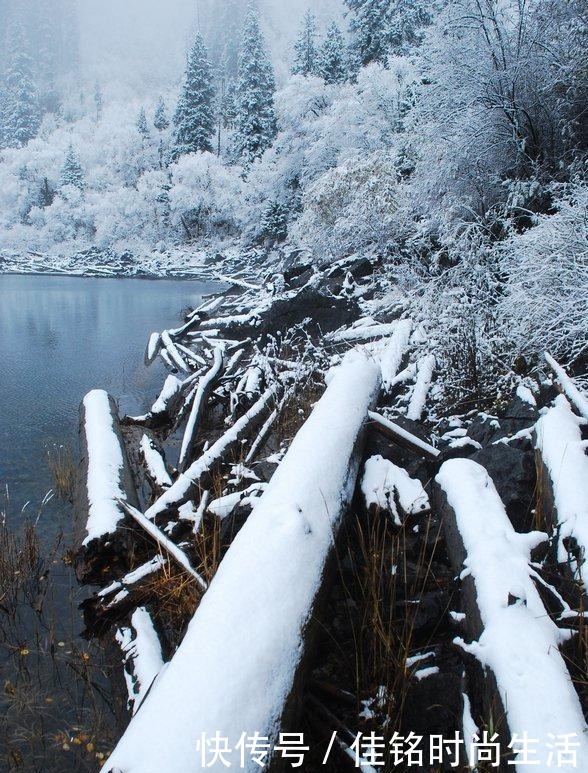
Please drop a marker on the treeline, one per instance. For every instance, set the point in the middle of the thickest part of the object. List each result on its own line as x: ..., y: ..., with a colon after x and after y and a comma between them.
x: 39, y: 49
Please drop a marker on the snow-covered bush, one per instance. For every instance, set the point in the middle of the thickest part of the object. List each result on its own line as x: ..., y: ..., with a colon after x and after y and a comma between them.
x: 349, y: 208
x: 205, y: 196
x: 545, y: 300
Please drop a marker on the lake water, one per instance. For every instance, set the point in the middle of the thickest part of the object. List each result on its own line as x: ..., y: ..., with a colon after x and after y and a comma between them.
x: 59, y: 338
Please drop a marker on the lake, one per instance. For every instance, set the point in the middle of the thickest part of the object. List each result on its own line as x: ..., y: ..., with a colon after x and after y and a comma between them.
x: 59, y: 338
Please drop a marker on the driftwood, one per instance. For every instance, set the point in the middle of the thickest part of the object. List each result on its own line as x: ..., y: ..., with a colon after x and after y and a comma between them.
x: 205, y: 387
x: 164, y: 542
x: 512, y: 634
x: 570, y: 389
x: 104, y: 476
x: 199, y: 475
x: 401, y: 436
x: 214, y: 682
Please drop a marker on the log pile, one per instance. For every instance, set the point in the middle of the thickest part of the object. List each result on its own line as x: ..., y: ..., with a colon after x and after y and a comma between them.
x: 286, y: 407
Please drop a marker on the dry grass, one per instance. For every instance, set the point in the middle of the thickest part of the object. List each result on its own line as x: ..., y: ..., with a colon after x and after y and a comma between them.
x: 61, y: 463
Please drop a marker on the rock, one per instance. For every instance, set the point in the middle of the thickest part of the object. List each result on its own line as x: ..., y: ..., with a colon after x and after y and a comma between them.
x: 485, y: 429
x: 514, y: 475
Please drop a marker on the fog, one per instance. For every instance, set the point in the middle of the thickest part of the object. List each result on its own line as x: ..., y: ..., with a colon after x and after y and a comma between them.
x: 140, y: 45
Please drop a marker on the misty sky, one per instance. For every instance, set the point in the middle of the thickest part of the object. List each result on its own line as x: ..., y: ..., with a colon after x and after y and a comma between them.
x: 139, y: 45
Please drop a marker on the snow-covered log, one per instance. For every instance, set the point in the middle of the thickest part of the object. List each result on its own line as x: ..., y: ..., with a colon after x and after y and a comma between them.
x: 513, y: 636
x: 205, y: 387
x: 104, y: 479
x: 153, y: 347
x: 173, y: 352
x: 156, y: 471
x: 237, y: 665
x: 425, y: 368
x: 391, y: 357
x: 579, y: 400
x: 165, y: 543
x: 194, y: 478
x: 142, y: 656
x: 401, y: 436
x: 358, y: 334
x: 563, y: 466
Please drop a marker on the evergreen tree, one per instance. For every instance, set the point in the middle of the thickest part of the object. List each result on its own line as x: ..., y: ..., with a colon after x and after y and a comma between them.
x: 71, y: 171
x: 333, y: 56
x: 160, y: 120
x: 382, y: 27
x: 21, y: 113
x: 194, y: 117
x: 98, y: 100
x: 255, y: 116
x: 306, y: 54
x: 142, y: 126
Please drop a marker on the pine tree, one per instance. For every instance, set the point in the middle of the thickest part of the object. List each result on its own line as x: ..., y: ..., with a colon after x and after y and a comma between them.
x: 255, y: 116
x: 306, y: 54
x: 194, y: 117
x: 71, y: 171
x: 142, y: 126
x: 382, y: 27
x: 160, y: 119
x: 333, y: 56
x: 98, y: 100
x: 21, y: 113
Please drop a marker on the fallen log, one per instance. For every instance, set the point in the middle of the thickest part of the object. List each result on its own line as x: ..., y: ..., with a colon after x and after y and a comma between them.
x: 425, y: 368
x: 571, y: 391
x: 264, y: 592
x: 401, y: 436
x: 142, y: 657
x: 164, y: 542
x: 205, y: 387
x: 104, y: 480
x: 527, y: 689
x: 155, y: 469
x: 196, y: 477
x: 563, y: 468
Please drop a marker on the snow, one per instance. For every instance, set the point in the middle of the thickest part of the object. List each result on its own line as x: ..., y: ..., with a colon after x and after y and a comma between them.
x: 155, y: 463
x: 171, y: 387
x: 391, y: 357
x: 425, y: 368
x: 182, y: 485
x: 426, y: 672
x: 224, y: 506
x: 359, y: 334
x: 427, y: 448
x: 524, y: 393
x: 520, y: 642
x: 153, y: 346
x: 571, y: 390
x: 150, y: 567
x: 261, y: 595
x: 142, y: 656
x: 383, y: 482
x: 105, y: 467
x: 559, y: 440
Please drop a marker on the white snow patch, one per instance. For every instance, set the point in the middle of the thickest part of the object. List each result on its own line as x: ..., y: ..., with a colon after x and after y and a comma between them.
x: 142, y: 656
x: 383, y: 481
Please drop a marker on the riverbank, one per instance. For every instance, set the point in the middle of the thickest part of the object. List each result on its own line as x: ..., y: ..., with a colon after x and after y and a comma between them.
x: 310, y: 395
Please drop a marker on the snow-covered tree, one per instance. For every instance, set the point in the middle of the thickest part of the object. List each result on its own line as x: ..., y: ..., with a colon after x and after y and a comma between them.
x: 383, y: 27
x: 306, y: 55
x: 20, y: 110
x: 71, y: 171
x: 142, y: 126
x: 332, y: 62
x: 98, y: 100
x: 194, y: 118
x: 255, y: 118
x: 160, y: 119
